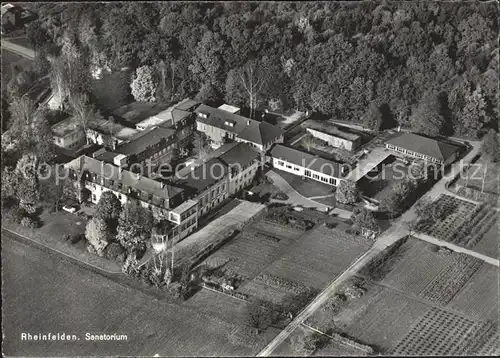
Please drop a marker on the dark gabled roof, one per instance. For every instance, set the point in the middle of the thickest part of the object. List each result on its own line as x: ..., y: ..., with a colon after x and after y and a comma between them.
x: 204, y: 176
x: 241, y: 154
x: 187, y: 105
x: 303, y: 159
x: 231, y: 154
x: 144, y: 139
x: 127, y: 178
x: 423, y: 145
x: 245, y: 128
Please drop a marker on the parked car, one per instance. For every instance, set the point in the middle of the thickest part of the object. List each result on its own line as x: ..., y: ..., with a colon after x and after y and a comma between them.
x: 298, y: 208
x: 70, y: 209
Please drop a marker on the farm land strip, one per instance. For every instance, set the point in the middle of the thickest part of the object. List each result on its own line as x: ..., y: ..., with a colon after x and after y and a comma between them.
x: 479, y: 298
x: 76, y: 300
x: 438, y: 333
x: 318, y: 256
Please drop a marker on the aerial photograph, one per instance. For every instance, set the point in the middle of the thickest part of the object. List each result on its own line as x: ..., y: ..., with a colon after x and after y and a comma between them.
x: 250, y: 178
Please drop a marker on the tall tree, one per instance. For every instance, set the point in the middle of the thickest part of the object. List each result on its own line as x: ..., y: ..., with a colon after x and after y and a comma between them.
x: 491, y: 146
x: 144, y: 85
x: 134, y: 227
x: 347, y: 192
x: 473, y: 114
x: 249, y: 81
x: 426, y: 117
x: 97, y: 234
x: 84, y: 113
x: 28, y: 191
x: 108, y: 209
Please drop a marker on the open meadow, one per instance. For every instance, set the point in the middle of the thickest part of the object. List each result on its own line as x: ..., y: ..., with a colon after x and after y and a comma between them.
x: 43, y: 293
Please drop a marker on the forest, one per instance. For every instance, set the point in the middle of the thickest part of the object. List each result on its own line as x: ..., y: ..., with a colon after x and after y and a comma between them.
x: 431, y: 67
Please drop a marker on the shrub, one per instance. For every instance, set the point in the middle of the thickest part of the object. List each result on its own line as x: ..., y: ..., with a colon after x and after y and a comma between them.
x: 280, y: 196
x: 334, y: 304
x: 73, y: 239
x: 354, y: 292
x: 306, y: 344
x: 115, y: 252
x: 29, y: 222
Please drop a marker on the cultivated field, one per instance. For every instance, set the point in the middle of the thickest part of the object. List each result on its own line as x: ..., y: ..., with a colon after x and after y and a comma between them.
x: 318, y: 257
x: 468, y: 225
x: 488, y: 242
x: 451, y: 279
x: 416, y: 266
x: 459, y: 212
x: 43, y: 293
x: 439, y: 333
x: 386, y: 319
x: 479, y: 298
x: 253, y: 249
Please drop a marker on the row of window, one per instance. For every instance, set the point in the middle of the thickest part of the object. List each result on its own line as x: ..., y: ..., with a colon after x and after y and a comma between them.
x: 324, y: 179
x: 413, y: 154
x: 288, y: 166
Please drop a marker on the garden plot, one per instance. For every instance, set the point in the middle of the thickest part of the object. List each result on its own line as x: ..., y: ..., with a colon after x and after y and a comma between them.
x: 482, y: 219
x: 348, y: 311
x: 248, y: 253
x: 279, y: 231
x: 318, y: 257
x: 264, y: 292
x: 489, y: 243
x: 417, y: 266
x: 438, y: 333
x: 450, y: 280
x: 460, y: 212
x: 479, y: 297
x: 492, y: 345
x: 386, y: 319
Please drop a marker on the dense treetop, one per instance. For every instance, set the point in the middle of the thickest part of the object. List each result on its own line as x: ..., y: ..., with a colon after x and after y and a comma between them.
x: 421, y: 64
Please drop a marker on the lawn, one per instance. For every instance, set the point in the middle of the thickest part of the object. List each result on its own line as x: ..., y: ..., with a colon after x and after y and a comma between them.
x: 489, y: 244
x: 378, y: 183
x: 476, y: 174
x: 42, y: 293
x: 55, y: 226
x: 307, y: 187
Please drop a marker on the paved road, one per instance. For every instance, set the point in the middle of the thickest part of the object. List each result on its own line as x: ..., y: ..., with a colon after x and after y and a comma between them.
x: 21, y: 50
x: 396, y: 232
x: 457, y: 248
